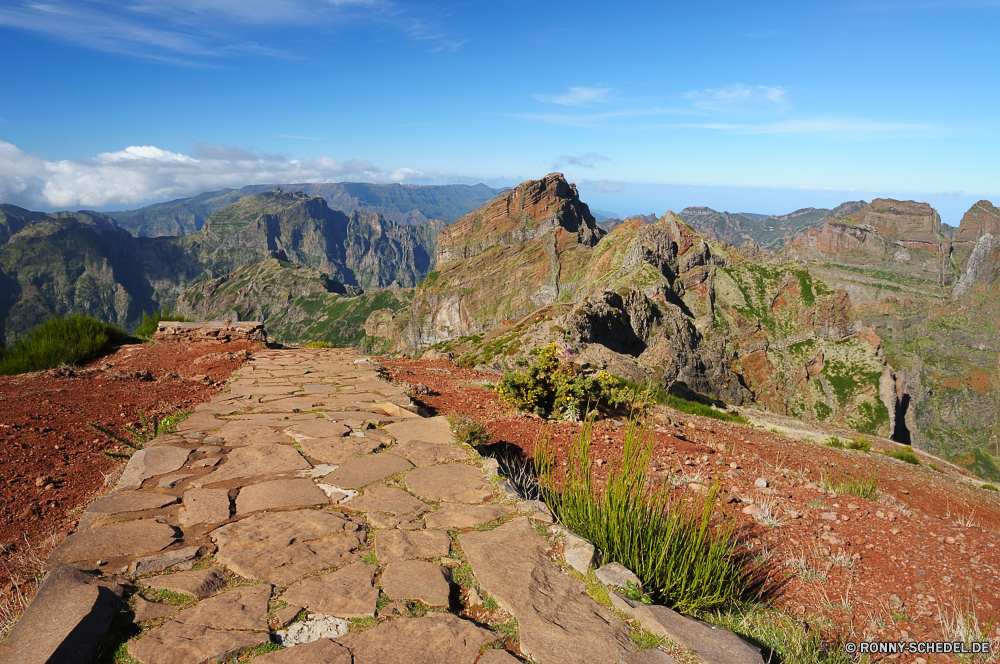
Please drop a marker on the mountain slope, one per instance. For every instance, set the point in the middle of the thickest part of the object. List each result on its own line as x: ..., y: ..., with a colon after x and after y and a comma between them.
x: 770, y: 232
x: 405, y: 205
x: 84, y: 263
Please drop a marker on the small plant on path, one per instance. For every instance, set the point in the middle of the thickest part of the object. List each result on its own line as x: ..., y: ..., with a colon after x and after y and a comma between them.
x: 136, y: 437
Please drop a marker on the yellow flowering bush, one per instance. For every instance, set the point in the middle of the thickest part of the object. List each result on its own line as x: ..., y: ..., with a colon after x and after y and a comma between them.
x: 552, y: 387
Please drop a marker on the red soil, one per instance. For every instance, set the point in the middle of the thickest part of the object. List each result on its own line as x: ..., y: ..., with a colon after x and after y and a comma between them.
x: 910, y: 543
x: 52, y: 464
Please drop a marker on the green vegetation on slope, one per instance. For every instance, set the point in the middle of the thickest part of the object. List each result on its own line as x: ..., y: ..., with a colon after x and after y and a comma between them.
x: 73, y: 340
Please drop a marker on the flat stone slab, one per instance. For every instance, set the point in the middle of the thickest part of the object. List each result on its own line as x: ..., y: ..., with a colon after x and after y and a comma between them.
x: 171, y: 481
x: 279, y: 494
x: 252, y: 460
x: 617, y: 575
x: 150, y: 462
x: 130, y: 501
x: 429, y: 429
x: 322, y: 651
x: 419, y: 580
x: 391, y: 545
x: 199, y: 583
x: 495, y: 656
x: 283, y: 547
x: 460, y: 515
x: 240, y: 434
x: 421, y: 453
x: 338, y: 450
x: 346, y: 593
x: 454, y: 483
x: 651, y: 656
x: 177, y: 643
x: 242, y: 608
x: 161, y: 561
x: 126, y: 539
x: 388, y: 500
x: 362, y: 472
x: 432, y: 639
x: 558, y: 622
x: 65, y: 621
x: 204, y: 506
x: 714, y: 645
x: 146, y: 610
x: 319, y: 428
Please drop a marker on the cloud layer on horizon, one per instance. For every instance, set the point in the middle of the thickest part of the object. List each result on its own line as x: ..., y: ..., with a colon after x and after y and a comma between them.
x: 140, y: 174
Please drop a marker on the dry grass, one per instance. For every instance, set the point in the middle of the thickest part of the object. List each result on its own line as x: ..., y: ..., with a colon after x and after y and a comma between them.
x: 963, y: 625
x: 23, y: 568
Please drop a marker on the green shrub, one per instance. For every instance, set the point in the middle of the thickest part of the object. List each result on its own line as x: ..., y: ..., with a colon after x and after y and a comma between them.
x: 681, y: 557
x: 859, y: 443
x: 689, y: 406
x: 471, y: 433
x: 866, y: 488
x: 147, y: 328
x: 553, y: 387
x: 903, y: 455
x: 72, y: 340
x: 835, y: 443
x: 988, y: 487
x: 318, y: 344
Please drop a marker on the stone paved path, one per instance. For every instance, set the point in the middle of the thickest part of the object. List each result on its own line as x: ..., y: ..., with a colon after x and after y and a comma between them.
x: 313, y: 488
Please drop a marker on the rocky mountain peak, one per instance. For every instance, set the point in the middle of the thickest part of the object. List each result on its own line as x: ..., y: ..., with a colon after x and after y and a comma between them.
x: 982, y: 218
x: 907, y: 220
x: 526, y: 212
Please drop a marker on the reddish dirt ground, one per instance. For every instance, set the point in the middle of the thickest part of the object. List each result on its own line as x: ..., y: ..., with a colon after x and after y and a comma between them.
x: 52, y: 464
x: 839, y: 563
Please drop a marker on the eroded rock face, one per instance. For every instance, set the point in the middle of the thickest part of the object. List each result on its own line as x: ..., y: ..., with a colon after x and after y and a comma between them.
x: 558, y: 621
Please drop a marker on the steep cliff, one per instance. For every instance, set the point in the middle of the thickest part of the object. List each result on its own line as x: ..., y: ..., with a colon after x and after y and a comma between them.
x: 935, y: 304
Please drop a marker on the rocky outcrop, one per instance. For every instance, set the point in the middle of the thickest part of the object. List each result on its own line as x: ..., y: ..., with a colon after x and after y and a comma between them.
x: 975, y: 264
x: 908, y: 222
x: 525, y: 213
x: 222, y: 331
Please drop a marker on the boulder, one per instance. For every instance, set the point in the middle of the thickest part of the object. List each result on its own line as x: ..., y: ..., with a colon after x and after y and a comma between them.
x: 65, y: 621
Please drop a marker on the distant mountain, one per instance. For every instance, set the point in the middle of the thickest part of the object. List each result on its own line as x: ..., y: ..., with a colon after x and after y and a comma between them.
x: 769, y: 231
x: 403, y: 204
x: 609, y: 224
x: 55, y: 264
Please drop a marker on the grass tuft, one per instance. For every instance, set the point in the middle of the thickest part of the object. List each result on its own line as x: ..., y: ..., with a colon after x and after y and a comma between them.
x: 689, y: 406
x: 681, y: 557
x: 783, y: 639
x: 903, y: 455
x: 866, y: 487
x: 72, y: 340
x: 147, y: 328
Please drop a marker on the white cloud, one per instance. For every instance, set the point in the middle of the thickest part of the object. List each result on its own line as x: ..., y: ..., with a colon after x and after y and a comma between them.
x: 738, y: 97
x: 139, y: 174
x: 603, y: 186
x: 577, y: 96
x: 589, y: 160
x: 206, y: 32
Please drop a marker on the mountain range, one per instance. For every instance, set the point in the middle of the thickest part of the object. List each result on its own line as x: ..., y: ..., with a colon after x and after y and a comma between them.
x: 871, y: 316
x: 403, y: 204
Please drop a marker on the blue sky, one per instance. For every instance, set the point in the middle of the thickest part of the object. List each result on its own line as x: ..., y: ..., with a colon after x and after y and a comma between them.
x: 760, y: 107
